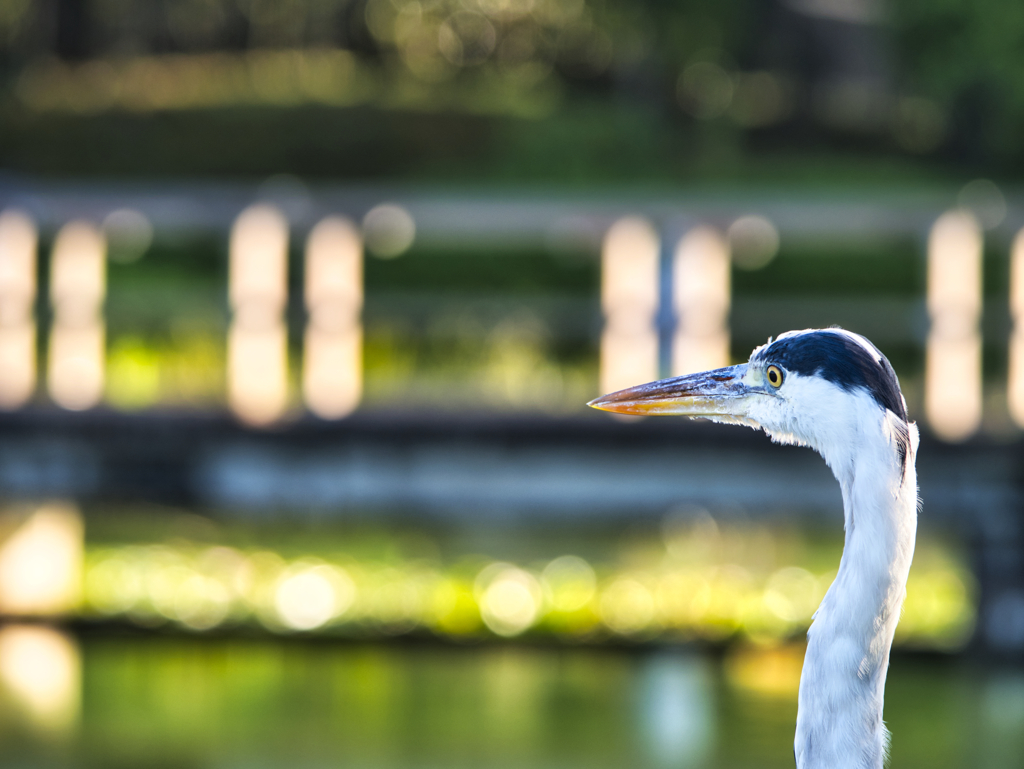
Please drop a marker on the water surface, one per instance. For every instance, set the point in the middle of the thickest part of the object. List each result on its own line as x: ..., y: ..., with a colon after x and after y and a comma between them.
x: 174, y: 702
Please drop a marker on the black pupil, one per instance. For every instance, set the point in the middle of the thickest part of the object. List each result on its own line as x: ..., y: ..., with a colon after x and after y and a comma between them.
x: 773, y: 376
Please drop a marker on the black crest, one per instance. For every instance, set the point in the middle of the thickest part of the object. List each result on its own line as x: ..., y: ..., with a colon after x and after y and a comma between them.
x: 847, y: 360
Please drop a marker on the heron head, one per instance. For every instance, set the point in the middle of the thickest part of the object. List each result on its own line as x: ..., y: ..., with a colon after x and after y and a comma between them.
x: 817, y: 387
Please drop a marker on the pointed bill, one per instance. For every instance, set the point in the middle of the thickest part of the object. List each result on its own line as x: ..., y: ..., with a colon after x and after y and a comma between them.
x: 722, y: 394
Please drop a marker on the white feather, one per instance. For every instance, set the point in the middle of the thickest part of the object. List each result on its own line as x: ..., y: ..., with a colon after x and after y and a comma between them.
x: 839, y: 721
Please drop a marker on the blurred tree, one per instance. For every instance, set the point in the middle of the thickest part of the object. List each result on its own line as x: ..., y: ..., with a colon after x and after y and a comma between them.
x: 967, y: 55
x: 545, y: 89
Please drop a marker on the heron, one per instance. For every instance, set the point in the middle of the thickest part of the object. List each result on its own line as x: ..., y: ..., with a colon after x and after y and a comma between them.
x: 834, y: 391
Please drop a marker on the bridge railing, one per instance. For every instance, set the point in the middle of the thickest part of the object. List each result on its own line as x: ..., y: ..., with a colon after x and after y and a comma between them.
x: 665, y: 293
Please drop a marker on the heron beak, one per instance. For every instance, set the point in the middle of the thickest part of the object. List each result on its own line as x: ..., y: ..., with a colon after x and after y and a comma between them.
x: 722, y: 395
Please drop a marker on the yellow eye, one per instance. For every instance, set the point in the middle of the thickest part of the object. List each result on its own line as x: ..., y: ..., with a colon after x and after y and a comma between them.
x: 774, y: 375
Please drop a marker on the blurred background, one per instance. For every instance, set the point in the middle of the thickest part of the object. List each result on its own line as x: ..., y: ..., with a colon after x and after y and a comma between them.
x: 300, y: 305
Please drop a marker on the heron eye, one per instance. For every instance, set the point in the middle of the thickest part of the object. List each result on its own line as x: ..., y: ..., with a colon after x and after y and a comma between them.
x: 774, y: 374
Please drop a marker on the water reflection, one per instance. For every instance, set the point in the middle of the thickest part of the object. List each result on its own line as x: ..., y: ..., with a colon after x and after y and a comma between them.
x: 1002, y: 716
x: 40, y: 672
x: 677, y: 709
x: 164, y: 701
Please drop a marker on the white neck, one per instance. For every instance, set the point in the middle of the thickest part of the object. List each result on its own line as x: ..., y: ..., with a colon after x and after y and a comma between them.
x: 839, y: 721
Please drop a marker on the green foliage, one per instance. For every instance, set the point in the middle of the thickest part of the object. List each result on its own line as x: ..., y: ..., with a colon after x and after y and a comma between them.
x: 969, y: 55
x: 451, y: 271
x: 829, y: 269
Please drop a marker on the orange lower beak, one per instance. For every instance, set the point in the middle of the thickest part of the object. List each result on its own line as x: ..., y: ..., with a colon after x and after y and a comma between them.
x: 721, y: 394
